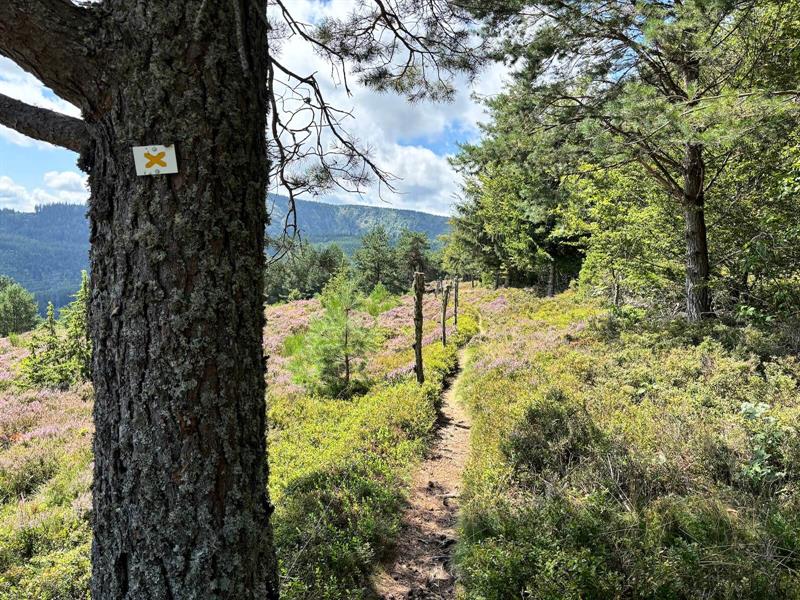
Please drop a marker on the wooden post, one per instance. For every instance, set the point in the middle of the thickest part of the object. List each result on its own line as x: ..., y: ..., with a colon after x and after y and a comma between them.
x: 455, y: 304
x: 551, y: 279
x: 445, y: 298
x: 419, y: 290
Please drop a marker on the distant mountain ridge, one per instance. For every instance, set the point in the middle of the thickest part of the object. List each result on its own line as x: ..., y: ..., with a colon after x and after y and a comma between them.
x: 320, y: 222
x: 46, y: 250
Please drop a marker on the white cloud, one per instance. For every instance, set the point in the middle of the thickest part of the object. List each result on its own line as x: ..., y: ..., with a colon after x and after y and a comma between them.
x: 64, y: 187
x: 68, y: 181
x: 393, y: 128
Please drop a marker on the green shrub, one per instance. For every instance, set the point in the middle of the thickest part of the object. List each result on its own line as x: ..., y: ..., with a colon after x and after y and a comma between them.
x: 60, y: 351
x: 553, y: 436
x: 60, y: 575
x: 380, y: 300
x: 628, y: 457
x: 18, y: 309
x: 468, y: 327
x: 337, y: 481
x: 293, y: 343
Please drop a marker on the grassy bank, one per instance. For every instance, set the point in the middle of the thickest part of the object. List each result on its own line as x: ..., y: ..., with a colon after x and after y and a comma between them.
x: 613, y: 457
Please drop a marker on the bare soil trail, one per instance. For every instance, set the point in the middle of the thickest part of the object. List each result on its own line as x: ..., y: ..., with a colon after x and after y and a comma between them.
x: 421, y: 566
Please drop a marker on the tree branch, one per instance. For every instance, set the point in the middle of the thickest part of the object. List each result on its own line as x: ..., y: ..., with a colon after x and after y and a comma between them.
x: 42, y: 124
x: 50, y: 39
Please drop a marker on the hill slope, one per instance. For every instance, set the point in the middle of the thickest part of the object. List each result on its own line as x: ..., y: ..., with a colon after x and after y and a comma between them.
x: 46, y: 250
x: 344, y: 224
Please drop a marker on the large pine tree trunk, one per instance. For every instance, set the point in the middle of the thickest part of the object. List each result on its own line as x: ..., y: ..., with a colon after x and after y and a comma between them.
x: 180, y: 502
x: 698, y: 270
x: 698, y: 297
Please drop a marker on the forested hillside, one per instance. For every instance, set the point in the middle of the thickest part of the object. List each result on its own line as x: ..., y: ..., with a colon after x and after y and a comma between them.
x: 343, y: 224
x: 46, y: 250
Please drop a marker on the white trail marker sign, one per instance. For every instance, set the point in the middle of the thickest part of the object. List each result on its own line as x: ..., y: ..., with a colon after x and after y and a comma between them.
x: 155, y: 160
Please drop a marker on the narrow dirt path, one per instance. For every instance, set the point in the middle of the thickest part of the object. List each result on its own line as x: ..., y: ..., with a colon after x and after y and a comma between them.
x: 422, y: 564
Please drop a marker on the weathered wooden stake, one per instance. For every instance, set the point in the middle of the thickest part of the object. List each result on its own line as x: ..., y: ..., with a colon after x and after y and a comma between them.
x: 419, y: 290
x: 455, y: 304
x: 445, y: 298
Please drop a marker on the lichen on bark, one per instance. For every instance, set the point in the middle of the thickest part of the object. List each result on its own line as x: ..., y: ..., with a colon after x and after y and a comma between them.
x: 180, y: 502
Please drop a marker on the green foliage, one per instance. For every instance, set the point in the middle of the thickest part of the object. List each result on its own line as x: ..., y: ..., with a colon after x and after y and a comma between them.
x: 302, y: 272
x: 375, y: 261
x: 293, y: 343
x: 602, y: 151
x: 413, y: 254
x: 18, y: 309
x: 616, y: 456
x: 768, y: 464
x: 457, y: 257
x: 57, y: 576
x: 379, y: 300
x: 331, y: 360
x: 632, y: 238
x: 60, y: 350
x: 507, y: 225
x: 338, y: 473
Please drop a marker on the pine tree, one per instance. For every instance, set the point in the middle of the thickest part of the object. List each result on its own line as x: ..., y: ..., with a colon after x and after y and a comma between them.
x: 77, y: 345
x: 376, y: 261
x: 671, y: 86
x: 413, y: 255
x: 60, y: 349
x: 331, y: 360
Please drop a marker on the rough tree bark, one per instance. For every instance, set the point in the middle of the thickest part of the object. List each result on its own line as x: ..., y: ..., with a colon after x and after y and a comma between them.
x: 419, y: 291
x: 698, y: 268
x: 698, y: 298
x: 180, y: 505
x: 41, y: 123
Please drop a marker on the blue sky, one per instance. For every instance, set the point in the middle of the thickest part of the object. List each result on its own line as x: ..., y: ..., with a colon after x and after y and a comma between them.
x: 27, y: 165
x: 412, y: 142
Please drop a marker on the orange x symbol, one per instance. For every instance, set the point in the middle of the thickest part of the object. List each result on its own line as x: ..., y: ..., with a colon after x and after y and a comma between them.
x: 155, y: 159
